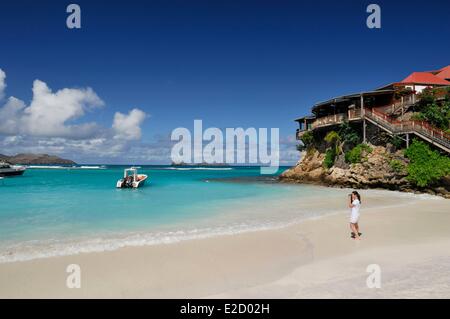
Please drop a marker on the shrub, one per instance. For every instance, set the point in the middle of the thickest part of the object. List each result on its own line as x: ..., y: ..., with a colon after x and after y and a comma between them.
x: 355, y: 155
x: 366, y: 148
x: 437, y: 115
x: 332, y: 138
x: 300, y: 147
x: 330, y: 157
x: 433, y: 109
x: 418, y: 117
x: 307, y: 140
x: 426, y: 98
x: 310, y: 151
x: 403, y: 92
x: 348, y: 134
x: 396, y: 141
x: 397, y: 166
x: 426, y: 166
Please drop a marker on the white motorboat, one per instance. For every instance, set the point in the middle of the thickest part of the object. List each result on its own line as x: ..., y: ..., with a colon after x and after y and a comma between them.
x: 11, y: 170
x: 131, y: 179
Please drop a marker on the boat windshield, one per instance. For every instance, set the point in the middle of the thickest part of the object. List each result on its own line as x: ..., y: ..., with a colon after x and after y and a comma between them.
x: 129, y: 172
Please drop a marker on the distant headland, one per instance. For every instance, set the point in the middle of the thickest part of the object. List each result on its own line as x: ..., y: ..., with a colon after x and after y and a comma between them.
x: 36, y: 159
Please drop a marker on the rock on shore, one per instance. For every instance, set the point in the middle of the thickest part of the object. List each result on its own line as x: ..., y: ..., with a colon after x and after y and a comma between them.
x: 374, y: 171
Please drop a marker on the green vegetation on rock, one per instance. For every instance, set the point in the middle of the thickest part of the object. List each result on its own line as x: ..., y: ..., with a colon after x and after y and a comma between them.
x: 434, y: 108
x: 427, y: 166
x: 348, y: 135
x: 330, y: 157
x: 356, y: 154
x: 396, y: 141
x: 334, y: 140
x: 307, y: 140
x: 397, y: 166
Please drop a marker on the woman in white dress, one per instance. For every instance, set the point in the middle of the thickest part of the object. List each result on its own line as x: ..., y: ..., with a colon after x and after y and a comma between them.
x: 355, y: 205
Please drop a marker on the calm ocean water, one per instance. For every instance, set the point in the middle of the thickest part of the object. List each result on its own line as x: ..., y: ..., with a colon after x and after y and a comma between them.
x: 62, y: 211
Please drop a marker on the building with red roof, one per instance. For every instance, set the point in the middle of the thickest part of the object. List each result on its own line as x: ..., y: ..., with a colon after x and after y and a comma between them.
x: 418, y: 81
x: 425, y: 78
x: 444, y: 73
x: 384, y: 108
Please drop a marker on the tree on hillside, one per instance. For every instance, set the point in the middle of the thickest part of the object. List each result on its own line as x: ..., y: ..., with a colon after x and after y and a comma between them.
x: 426, y: 165
x: 434, y: 108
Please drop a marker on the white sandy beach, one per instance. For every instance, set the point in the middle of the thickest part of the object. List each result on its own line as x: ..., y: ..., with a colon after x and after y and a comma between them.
x: 312, y: 259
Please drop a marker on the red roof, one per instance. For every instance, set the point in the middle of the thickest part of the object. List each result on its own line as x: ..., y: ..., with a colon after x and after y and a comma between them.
x: 444, y: 73
x: 425, y: 78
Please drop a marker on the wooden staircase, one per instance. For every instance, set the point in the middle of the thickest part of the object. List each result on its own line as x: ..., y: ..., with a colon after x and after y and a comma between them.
x: 400, y: 106
x: 421, y: 129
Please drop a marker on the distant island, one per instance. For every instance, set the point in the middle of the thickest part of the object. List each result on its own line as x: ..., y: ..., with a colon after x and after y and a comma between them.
x: 36, y: 159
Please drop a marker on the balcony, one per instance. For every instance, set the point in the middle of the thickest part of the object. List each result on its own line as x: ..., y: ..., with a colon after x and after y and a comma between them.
x: 335, y: 119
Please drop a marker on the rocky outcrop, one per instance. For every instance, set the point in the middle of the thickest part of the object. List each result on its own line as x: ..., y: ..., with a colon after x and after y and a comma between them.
x: 375, y: 171
x: 308, y: 170
x: 36, y: 159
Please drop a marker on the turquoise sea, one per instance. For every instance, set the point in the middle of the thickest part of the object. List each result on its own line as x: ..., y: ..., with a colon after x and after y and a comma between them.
x: 57, y: 211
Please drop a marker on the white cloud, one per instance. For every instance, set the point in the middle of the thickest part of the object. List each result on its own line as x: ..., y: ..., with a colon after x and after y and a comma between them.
x: 289, y: 155
x: 127, y: 127
x: 10, y: 115
x: 53, y: 123
x: 2, y: 84
x: 47, y: 125
x: 49, y: 113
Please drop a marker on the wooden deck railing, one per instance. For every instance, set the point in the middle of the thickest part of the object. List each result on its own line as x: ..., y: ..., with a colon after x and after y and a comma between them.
x: 421, y: 127
x: 383, y: 119
x: 337, y: 118
x: 399, y: 104
x: 354, y: 114
x: 329, y: 120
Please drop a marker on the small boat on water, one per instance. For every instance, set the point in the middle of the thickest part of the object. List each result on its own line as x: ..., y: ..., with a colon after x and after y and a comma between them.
x: 7, y: 169
x: 131, y: 179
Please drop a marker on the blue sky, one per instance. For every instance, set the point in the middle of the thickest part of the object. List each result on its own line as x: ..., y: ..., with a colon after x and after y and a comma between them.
x: 230, y: 63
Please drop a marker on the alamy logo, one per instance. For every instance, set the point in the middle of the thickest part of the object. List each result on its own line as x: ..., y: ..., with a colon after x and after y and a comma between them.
x: 237, y: 146
x: 73, y: 21
x: 374, y: 19
x: 74, y: 279
x: 374, y: 279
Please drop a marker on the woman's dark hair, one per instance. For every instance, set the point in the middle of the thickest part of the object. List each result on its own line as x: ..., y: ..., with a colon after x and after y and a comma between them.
x: 357, y: 195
